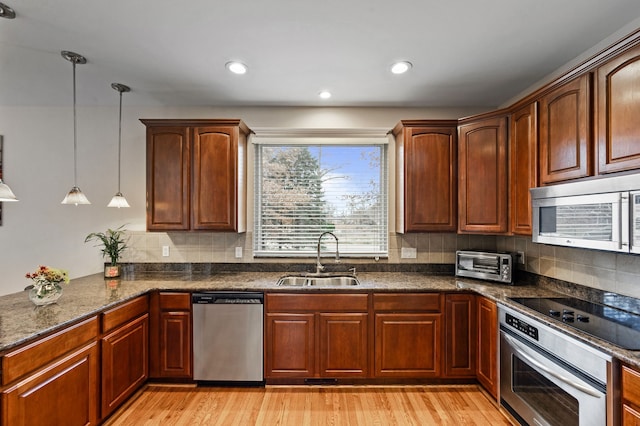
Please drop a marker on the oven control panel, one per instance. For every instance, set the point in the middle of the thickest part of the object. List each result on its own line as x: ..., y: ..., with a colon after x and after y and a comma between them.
x: 522, y: 326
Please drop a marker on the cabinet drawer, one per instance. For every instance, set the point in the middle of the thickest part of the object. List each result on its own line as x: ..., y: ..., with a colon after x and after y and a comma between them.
x: 20, y: 362
x: 175, y: 301
x: 397, y: 302
x: 124, y: 313
x: 317, y: 302
x: 631, y: 385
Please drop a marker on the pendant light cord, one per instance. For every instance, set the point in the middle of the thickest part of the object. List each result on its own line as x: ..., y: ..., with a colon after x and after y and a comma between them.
x: 75, y: 139
x: 119, y: 140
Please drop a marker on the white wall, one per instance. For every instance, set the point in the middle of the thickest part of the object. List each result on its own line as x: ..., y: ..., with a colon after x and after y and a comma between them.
x: 38, y: 166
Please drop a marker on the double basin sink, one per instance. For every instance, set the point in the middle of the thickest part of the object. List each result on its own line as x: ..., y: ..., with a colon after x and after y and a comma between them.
x: 318, y: 280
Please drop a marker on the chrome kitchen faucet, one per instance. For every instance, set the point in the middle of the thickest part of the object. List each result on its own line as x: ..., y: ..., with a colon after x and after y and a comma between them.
x: 319, y: 267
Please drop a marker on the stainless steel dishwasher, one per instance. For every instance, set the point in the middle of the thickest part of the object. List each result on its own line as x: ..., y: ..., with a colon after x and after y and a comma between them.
x: 228, y: 337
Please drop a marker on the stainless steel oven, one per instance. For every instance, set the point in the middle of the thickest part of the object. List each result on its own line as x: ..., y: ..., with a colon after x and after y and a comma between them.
x: 550, y: 378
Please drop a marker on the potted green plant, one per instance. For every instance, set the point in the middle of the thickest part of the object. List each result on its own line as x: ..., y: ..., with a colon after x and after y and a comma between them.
x: 113, y: 244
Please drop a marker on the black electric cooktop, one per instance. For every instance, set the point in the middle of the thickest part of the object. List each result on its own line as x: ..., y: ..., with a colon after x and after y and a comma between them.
x: 618, y: 327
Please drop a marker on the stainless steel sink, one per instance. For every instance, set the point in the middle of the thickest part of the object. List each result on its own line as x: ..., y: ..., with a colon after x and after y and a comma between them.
x: 309, y: 281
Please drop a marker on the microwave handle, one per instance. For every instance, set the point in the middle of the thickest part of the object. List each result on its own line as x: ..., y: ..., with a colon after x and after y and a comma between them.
x: 625, y: 220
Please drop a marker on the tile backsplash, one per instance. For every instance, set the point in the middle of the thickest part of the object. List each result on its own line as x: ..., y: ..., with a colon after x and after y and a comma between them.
x: 619, y: 273
x: 146, y: 247
x: 608, y: 271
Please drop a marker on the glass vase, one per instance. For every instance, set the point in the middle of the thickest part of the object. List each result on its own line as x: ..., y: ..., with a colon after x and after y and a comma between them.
x: 45, y: 294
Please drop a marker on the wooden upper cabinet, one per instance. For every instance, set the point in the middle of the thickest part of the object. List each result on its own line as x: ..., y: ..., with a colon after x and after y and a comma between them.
x: 523, y: 166
x: 617, y: 112
x: 482, y: 185
x: 215, y: 154
x: 196, y: 175
x: 426, y: 176
x: 565, y: 142
x: 168, y: 189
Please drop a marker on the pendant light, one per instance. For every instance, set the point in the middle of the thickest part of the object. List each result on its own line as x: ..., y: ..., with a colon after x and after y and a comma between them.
x: 6, y: 194
x: 118, y: 200
x: 75, y: 195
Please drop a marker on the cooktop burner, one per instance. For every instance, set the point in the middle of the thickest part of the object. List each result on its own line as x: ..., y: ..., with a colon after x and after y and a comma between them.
x: 613, y: 325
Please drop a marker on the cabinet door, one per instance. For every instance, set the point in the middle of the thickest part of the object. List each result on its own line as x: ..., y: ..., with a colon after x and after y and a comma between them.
x: 214, y: 194
x: 290, y: 345
x: 523, y: 166
x: 618, y: 109
x: 343, y: 345
x: 124, y: 362
x: 565, y: 143
x: 407, y: 345
x: 64, y: 393
x: 488, y: 345
x: 460, y: 335
x: 482, y: 189
x: 427, y: 179
x: 175, y: 344
x: 630, y: 416
x: 168, y: 194
x: 170, y: 335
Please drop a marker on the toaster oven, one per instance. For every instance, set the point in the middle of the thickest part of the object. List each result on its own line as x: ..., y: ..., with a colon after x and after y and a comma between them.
x: 492, y: 266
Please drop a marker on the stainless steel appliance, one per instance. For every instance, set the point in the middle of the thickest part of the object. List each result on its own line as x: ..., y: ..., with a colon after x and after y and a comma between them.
x: 599, y: 214
x: 228, y: 337
x: 548, y: 377
x: 485, y: 265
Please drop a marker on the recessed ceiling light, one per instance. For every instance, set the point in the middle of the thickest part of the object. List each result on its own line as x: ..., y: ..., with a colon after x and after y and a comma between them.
x: 6, y: 12
x: 236, y: 67
x: 401, y: 67
x: 325, y: 94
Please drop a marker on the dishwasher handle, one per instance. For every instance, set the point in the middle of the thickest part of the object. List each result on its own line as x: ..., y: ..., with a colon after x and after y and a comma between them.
x: 225, y: 297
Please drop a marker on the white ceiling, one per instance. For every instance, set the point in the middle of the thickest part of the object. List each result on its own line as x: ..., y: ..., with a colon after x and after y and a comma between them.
x: 464, y: 52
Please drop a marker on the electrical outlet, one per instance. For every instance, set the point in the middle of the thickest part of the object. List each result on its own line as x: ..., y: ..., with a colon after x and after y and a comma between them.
x: 238, y: 252
x: 521, y: 258
x: 408, y: 253
x: 165, y: 251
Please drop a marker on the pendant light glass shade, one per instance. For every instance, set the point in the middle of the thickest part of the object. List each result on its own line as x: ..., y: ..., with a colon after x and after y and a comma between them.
x: 75, y: 195
x: 118, y: 200
x: 6, y: 194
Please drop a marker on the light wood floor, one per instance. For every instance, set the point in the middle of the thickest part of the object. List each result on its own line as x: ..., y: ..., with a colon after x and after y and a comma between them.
x: 310, y: 405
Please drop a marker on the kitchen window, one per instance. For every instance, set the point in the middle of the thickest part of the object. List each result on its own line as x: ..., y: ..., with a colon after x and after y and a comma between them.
x: 305, y: 186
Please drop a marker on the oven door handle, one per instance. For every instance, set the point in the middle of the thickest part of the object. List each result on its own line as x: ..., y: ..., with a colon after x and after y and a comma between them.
x: 517, y: 348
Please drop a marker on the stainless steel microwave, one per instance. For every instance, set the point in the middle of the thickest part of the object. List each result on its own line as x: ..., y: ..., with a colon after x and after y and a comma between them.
x: 490, y: 266
x: 601, y: 214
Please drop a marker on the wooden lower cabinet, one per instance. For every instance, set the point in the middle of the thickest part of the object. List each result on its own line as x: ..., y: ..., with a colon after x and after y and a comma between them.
x: 460, y: 335
x: 487, y: 362
x: 343, y: 344
x: 125, y: 352
x: 63, y: 393
x: 170, y: 337
x: 316, y: 336
x: 407, y: 345
x: 630, y: 384
x: 290, y: 345
x: 408, y: 335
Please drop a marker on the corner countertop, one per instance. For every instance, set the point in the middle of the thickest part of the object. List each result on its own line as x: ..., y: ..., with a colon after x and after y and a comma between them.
x: 21, y: 321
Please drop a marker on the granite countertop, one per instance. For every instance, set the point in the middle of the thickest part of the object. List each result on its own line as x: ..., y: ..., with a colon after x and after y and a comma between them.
x: 21, y: 321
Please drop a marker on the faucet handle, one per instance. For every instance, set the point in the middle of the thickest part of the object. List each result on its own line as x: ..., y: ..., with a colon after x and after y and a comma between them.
x: 353, y: 271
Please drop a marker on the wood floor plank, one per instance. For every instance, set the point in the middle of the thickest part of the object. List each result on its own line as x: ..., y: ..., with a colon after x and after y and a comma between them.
x: 310, y: 406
